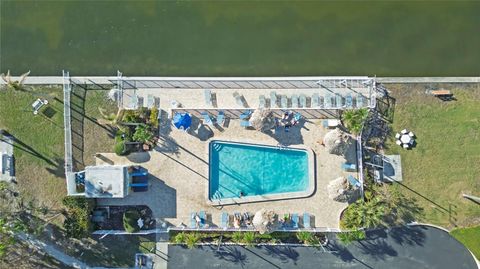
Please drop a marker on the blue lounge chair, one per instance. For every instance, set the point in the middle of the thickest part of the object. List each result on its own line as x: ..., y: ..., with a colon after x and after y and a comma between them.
x: 220, y: 118
x: 315, y: 101
x: 295, y: 221
x: 224, y: 220
x: 273, y: 99
x: 349, y: 167
x: 284, y: 101
x: 238, y: 98
x: 338, y: 100
x: 297, y: 117
x: 208, y: 97
x: 245, y: 114
x: 325, y: 123
x: 261, y: 101
x: 206, y: 119
x: 360, y: 100
x: 245, y: 123
x: 193, y: 223
x: 306, y: 220
x: 294, y: 101
x: 303, y: 101
x: 349, y: 101
x: 353, y: 181
x: 203, y: 218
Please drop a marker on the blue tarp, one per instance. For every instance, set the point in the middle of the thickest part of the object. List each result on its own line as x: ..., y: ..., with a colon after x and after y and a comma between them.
x: 182, y: 120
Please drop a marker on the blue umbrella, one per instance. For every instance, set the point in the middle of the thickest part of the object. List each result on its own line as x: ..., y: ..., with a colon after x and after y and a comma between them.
x: 182, y: 120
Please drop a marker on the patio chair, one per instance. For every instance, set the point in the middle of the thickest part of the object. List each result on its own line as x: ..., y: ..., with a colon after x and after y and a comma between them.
x: 398, y: 142
x: 245, y: 114
x: 261, y: 101
x: 150, y: 101
x: 397, y: 136
x: 294, y: 220
x: 349, y: 101
x: 224, y: 220
x: 203, y: 217
x: 206, y: 119
x: 360, y: 100
x: 303, y: 101
x: 273, y: 99
x: 284, y: 101
x: 315, y: 101
x: 245, y: 123
x: 294, y: 101
x: 297, y: 117
x: 220, y: 118
x: 353, y: 181
x: 306, y: 220
x: 208, y: 97
x: 349, y: 167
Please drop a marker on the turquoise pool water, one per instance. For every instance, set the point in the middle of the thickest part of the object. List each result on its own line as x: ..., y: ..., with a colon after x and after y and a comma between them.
x: 255, y: 170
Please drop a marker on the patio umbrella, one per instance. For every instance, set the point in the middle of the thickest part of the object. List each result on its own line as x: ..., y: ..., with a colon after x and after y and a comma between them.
x: 182, y: 120
x: 263, y: 221
x: 262, y: 119
x: 336, y: 141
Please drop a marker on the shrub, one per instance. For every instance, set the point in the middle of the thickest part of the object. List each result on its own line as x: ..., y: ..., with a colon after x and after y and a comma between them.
x: 304, y: 236
x: 142, y: 134
x: 363, y: 214
x: 180, y: 238
x: 349, y: 237
x: 237, y: 237
x: 249, y: 238
x: 130, y: 219
x: 77, y: 219
x: 191, y: 239
x: 131, y: 116
x: 354, y: 119
x: 154, y: 117
x: 121, y: 149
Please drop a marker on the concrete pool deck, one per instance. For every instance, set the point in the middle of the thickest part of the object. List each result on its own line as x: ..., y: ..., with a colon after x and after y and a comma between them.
x: 178, y: 170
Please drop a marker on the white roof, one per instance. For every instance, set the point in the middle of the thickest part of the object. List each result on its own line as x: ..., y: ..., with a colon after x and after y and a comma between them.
x: 108, y: 181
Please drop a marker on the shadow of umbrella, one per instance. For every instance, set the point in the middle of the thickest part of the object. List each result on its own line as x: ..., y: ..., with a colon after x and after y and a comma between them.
x: 139, y: 157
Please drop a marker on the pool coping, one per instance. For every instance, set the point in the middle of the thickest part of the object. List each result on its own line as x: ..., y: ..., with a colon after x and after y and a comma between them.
x: 270, y: 197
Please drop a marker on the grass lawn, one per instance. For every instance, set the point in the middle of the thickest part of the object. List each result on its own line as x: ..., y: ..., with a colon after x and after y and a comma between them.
x: 445, y: 162
x: 470, y: 237
x: 39, y: 150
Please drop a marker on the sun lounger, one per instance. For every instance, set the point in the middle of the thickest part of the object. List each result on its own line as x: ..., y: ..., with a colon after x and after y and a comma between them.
x: 306, y: 220
x: 349, y: 167
x: 245, y: 114
x: 224, y: 220
x: 150, y: 101
x: 294, y: 221
x: 315, y: 101
x: 206, y: 119
x: 303, y: 101
x: 338, y: 100
x: 238, y: 98
x: 273, y: 99
x: 353, y: 181
x: 220, y: 118
x: 193, y: 222
x: 297, y: 117
x: 360, y: 100
x: 245, y: 123
x: 328, y: 101
x: 294, y: 101
x: 208, y: 97
x: 203, y: 218
x: 349, y: 101
x: 261, y: 101
x: 283, y: 101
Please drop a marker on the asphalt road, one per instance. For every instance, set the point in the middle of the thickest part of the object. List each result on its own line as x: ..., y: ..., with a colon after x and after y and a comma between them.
x: 403, y: 247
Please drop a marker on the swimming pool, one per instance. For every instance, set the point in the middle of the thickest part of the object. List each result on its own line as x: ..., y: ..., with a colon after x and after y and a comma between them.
x: 241, y: 172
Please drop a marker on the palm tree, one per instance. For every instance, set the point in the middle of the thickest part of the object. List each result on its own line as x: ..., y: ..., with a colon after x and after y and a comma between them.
x: 353, y: 119
x: 14, y: 84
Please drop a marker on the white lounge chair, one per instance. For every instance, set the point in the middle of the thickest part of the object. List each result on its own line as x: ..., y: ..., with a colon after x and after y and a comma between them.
x: 261, y: 101
x: 315, y: 101
x: 208, y: 97
x: 273, y: 99
x: 303, y: 101
x: 294, y: 101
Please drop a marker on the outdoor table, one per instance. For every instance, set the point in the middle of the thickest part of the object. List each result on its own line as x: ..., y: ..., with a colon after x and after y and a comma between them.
x: 405, y: 139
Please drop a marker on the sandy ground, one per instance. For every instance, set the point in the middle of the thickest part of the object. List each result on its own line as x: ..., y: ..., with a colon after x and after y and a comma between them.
x: 179, y: 173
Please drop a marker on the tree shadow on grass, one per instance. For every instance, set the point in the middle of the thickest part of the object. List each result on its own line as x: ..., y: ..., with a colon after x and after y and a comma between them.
x: 20, y: 145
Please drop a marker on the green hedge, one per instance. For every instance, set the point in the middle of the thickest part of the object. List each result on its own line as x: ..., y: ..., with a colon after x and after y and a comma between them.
x: 130, y: 219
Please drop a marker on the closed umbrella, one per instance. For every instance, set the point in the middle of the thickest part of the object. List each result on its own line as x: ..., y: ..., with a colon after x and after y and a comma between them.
x: 263, y: 221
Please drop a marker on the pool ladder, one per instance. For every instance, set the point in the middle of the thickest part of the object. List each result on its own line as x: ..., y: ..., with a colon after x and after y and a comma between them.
x: 281, y: 147
x: 217, y: 147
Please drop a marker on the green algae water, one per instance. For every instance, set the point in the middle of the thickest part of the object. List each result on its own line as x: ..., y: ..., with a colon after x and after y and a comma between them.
x: 241, y: 38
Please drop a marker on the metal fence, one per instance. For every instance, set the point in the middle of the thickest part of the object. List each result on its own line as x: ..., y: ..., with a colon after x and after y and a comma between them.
x: 234, y: 113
